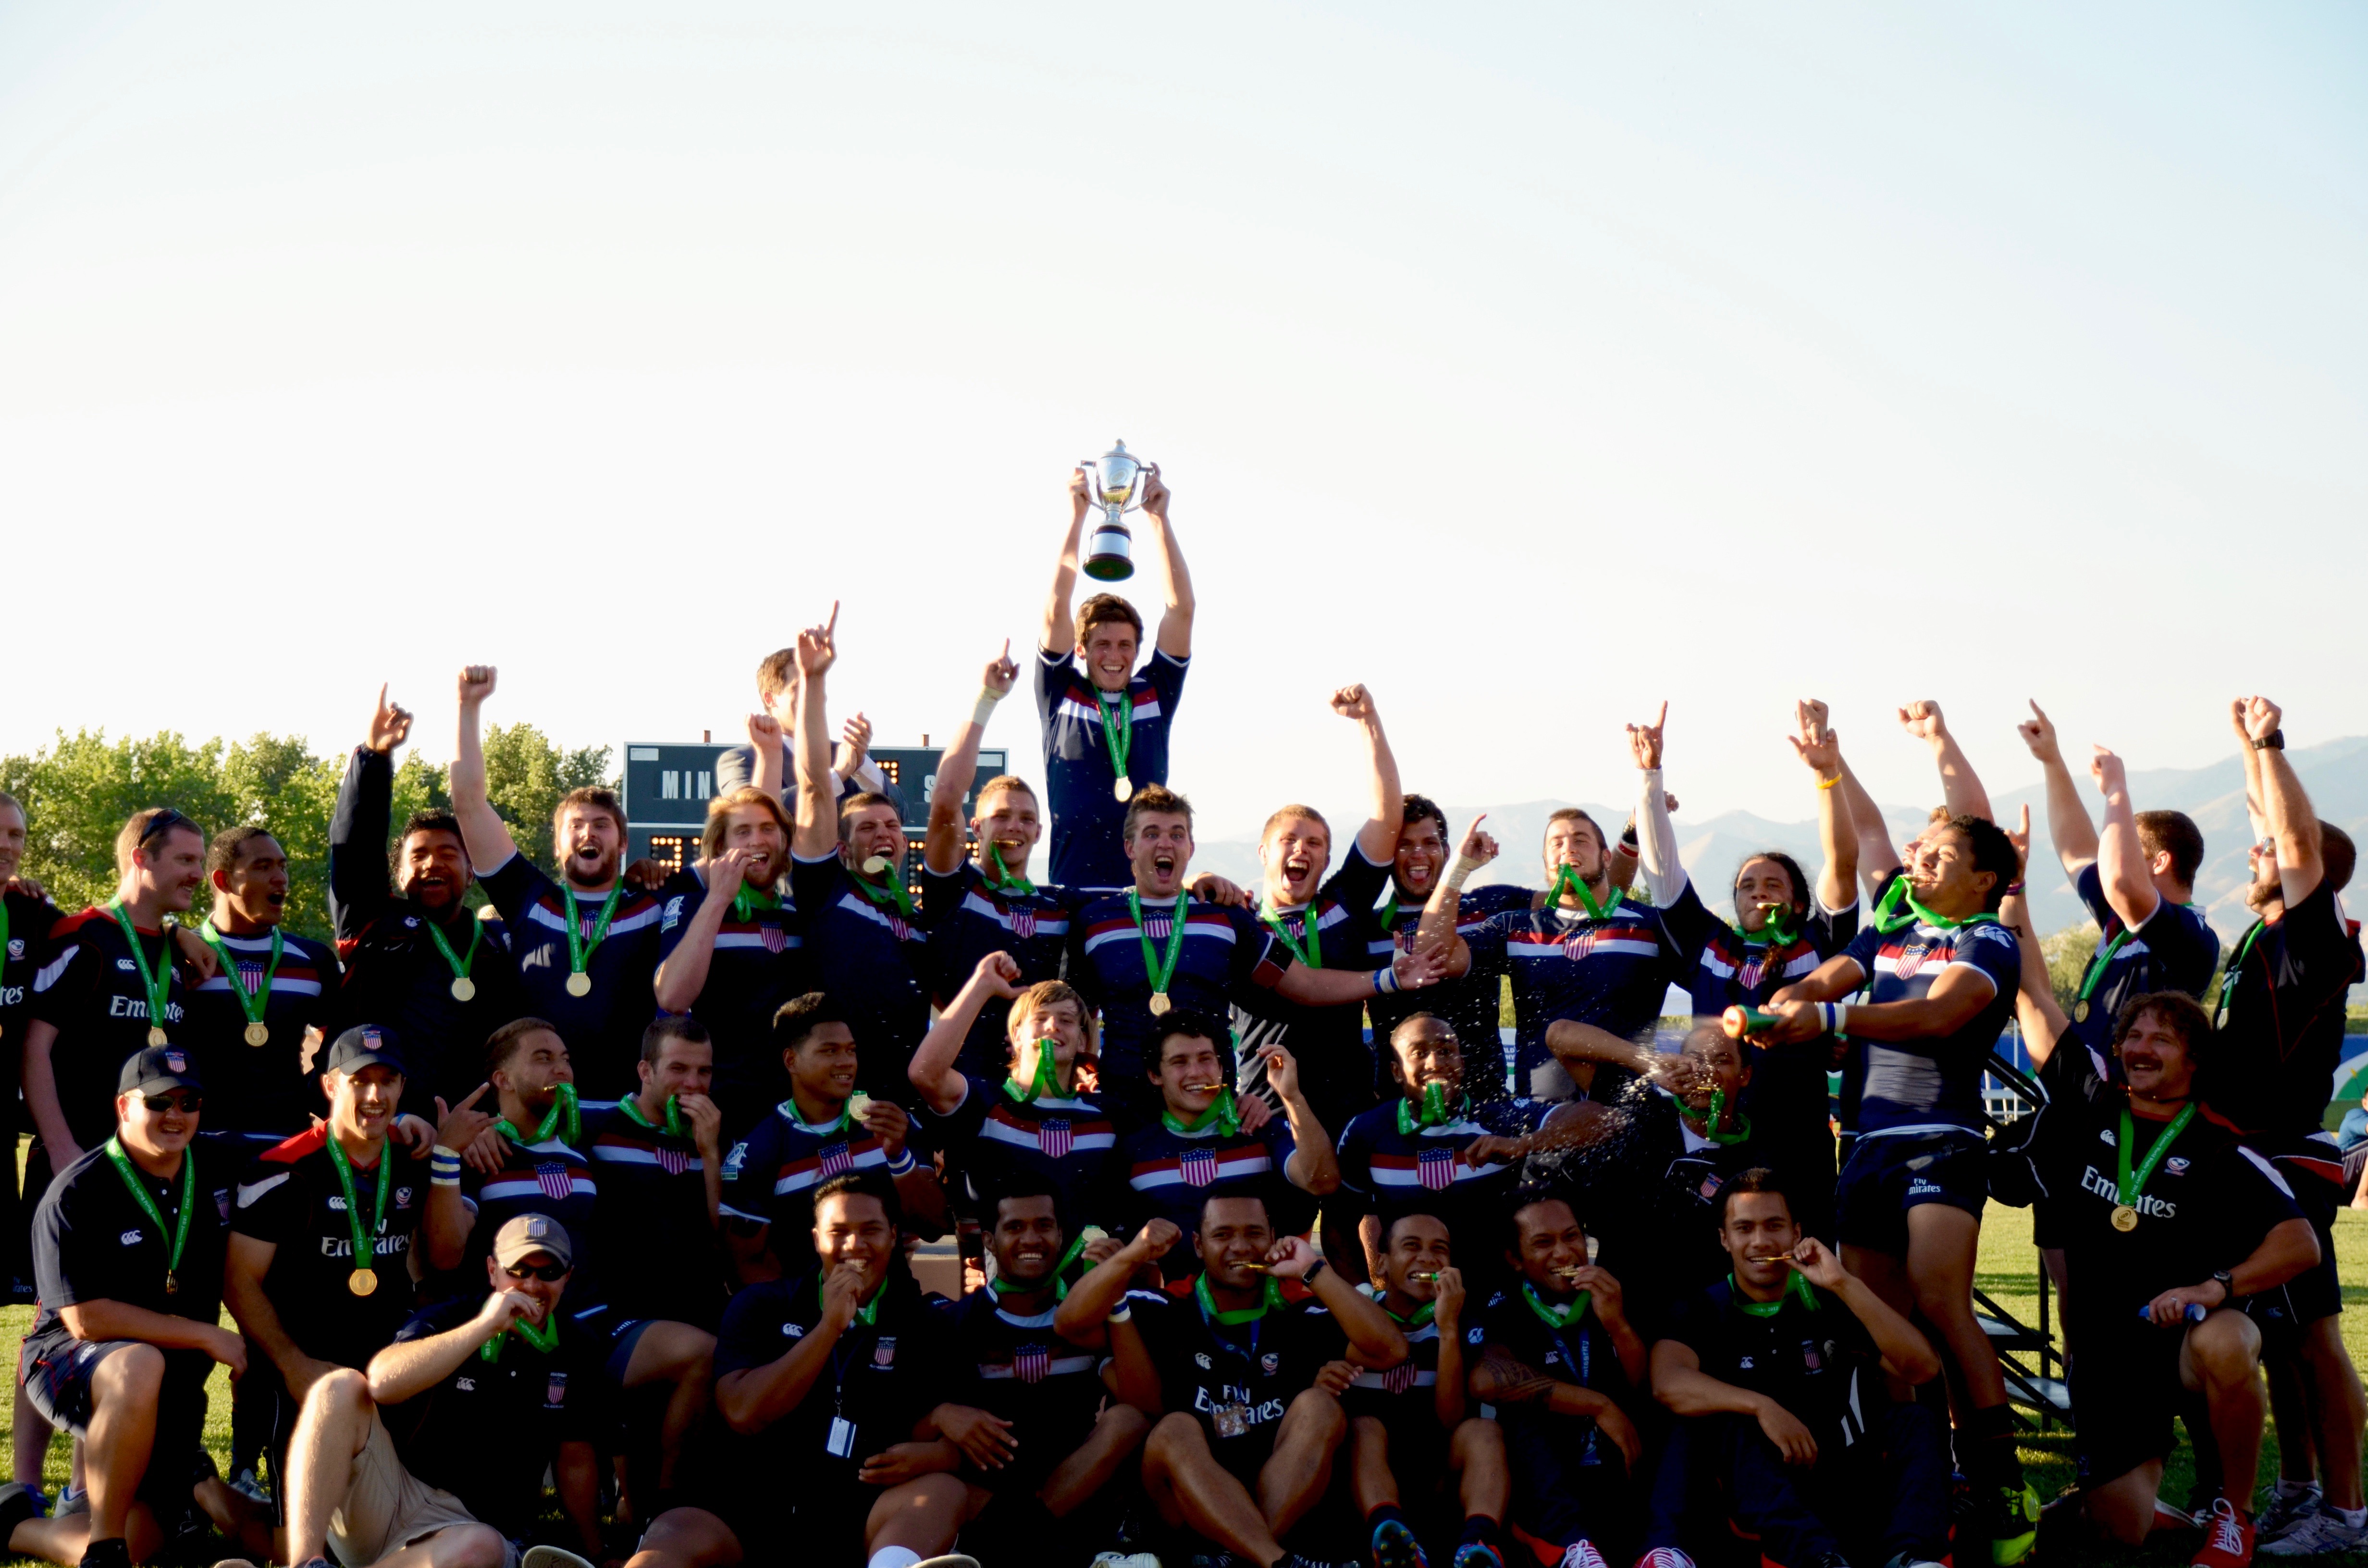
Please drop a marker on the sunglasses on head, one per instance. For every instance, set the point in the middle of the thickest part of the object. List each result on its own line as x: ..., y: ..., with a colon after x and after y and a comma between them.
x: 548, y: 1273
x: 189, y: 1101
x: 163, y: 821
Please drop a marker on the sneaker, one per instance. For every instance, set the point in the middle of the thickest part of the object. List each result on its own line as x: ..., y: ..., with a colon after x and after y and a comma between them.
x: 73, y: 1500
x: 1124, y: 1560
x: 2011, y: 1516
x: 554, y: 1557
x: 17, y: 1503
x: 944, y: 1560
x: 1394, y: 1546
x: 1582, y: 1554
x: 2168, y: 1515
x: 114, y: 1552
x: 2284, y: 1510
x: 2230, y: 1542
x: 2324, y: 1530
x: 234, y: 1562
x: 1477, y: 1554
x: 1664, y: 1557
x: 250, y: 1486
x: 1910, y: 1559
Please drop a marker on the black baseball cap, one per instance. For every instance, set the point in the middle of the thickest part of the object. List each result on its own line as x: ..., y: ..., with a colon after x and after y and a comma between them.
x: 364, y: 1045
x: 157, y: 1068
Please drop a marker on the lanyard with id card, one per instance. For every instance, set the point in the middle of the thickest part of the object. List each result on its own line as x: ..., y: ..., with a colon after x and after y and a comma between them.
x: 840, y: 1444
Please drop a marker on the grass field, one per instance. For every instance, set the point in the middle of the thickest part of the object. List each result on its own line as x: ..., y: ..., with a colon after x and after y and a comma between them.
x: 2006, y: 1273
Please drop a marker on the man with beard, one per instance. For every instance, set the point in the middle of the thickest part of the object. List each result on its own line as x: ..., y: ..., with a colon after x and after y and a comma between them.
x: 532, y: 1160
x: 1467, y: 1001
x: 128, y: 1243
x: 847, y: 871
x: 730, y: 948
x: 1322, y: 923
x: 1028, y: 1411
x: 417, y: 959
x: 1783, y: 930
x: 1941, y: 977
x: 2280, y: 1021
x: 248, y: 1020
x: 1140, y: 954
x: 587, y: 946
x: 1106, y: 734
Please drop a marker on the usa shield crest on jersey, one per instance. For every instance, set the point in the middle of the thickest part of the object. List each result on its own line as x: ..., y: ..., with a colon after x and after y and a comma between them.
x: 836, y: 1157
x: 1436, y: 1168
x: 1054, y: 1137
x: 554, y: 1178
x: 1398, y: 1378
x: 1023, y: 924
x: 1579, y: 944
x: 674, y: 1161
x: 1029, y: 1363
x: 1197, y: 1166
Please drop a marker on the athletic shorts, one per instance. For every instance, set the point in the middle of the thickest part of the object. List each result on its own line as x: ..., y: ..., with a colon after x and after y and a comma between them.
x: 2313, y: 1167
x: 625, y: 1338
x: 1559, y: 1500
x: 1888, y: 1175
x: 2125, y: 1391
x: 57, y: 1370
x: 386, y: 1507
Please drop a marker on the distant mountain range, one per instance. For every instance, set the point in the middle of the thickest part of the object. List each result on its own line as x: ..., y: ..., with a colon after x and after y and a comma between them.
x: 2336, y: 774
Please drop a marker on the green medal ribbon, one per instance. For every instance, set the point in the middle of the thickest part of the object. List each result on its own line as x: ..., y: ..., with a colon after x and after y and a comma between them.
x: 1002, y: 878
x: 157, y: 981
x: 579, y: 946
x: 1118, y: 733
x: 868, y: 1313
x: 1311, y: 931
x: 563, y: 1110
x: 544, y: 1339
x: 2129, y: 1183
x: 749, y: 901
x: 1222, y: 1114
x: 460, y: 963
x: 1390, y: 916
x: 1742, y: 1132
x: 1778, y: 928
x: 364, y: 1257
x: 1568, y: 880
x: 895, y: 894
x: 1797, y: 1287
x: 1421, y: 1316
x: 2104, y: 955
x: 1269, y: 1300
x: 2229, y: 976
x: 674, y: 1128
x: 1554, y: 1317
x: 1048, y: 1079
x: 1887, y: 919
x: 1160, y: 969
x: 251, y: 1003
x: 1434, y: 1111
x: 1060, y: 1287
x: 147, y: 1201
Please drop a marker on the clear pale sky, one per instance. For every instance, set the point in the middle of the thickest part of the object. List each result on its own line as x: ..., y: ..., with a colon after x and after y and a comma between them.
x: 1530, y: 364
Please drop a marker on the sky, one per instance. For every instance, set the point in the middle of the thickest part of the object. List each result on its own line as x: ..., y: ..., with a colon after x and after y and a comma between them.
x: 1530, y: 364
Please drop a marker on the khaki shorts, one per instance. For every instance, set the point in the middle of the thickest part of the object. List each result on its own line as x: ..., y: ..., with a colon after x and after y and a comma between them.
x: 387, y: 1508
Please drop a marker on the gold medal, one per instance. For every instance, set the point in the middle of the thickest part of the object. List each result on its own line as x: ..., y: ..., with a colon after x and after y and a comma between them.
x: 2124, y: 1217
x: 1159, y: 1002
x: 258, y: 1033
x: 1123, y: 790
x: 155, y: 1036
x: 580, y: 984
x: 2080, y: 1011
x: 362, y: 1281
x: 463, y: 988
x: 172, y: 1283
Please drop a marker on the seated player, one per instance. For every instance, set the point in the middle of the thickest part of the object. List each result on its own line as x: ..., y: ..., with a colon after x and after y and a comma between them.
x: 1437, y: 1148
x: 822, y: 1131
x: 1558, y: 1358
x: 825, y: 1379
x: 1245, y: 1386
x: 1141, y: 953
x: 1941, y: 976
x: 1028, y: 1125
x: 490, y: 1394
x: 2171, y: 1225
x: 731, y: 946
x: 1208, y: 1141
x: 659, y: 1155
x: 1781, y: 1373
x: 128, y: 1247
x: 1468, y: 1001
x: 1028, y: 1412
x: 533, y: 1148
x: 1412, y: 1426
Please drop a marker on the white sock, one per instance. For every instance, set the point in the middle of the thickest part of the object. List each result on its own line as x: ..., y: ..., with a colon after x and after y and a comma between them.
x: 2293, y: 1488
x: 2355, y: 1517
x: 894, y: 1557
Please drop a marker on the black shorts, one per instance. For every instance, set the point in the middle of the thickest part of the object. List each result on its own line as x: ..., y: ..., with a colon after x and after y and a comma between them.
x: 57, y: 1371
x: 1889, y: 1174
x: 2125, y: 1391
x: 2313, y: 1167
x: 1560, y: 1498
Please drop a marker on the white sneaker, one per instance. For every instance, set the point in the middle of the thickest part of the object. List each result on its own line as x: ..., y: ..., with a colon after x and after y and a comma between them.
x: 2284, y: 1510
x: 1664, y: 1557
x: 2323, y: 1531
x: 950, y: 1560
x: 551, y: 1557
x: 1582, y: 1554
x: 1125, y: 1560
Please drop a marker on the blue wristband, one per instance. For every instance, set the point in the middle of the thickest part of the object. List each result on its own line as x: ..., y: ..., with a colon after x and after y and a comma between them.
x: 903, y: 1165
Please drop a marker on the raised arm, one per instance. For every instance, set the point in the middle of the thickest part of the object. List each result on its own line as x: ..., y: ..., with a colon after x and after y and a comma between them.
x: 765, y: 755
x: 1959, y: 788
x: 1175, y: 638
x: 1314, y: 1166
x: 941, y: 847
x: 753, y: 1398
x: 2122, y: 864
x: 411, y: 1367
x: 357, y: 828
x: 2036, y: 1011
x: 1060, y: 635
x: 1375, y: 1336
x: 1656, y: 837
x: 932, y: 1070
x: 683, y: 973
x: 1819, y: 747
x: 2067, y: 818
x: 817, y: 812
x: 1878, y: 857
x: 2285, y: 809
x: 1444, y: 909
x: 1092, y: 1298
x: 1379, y: 837
x: 483, y: 832
x: 1906, y: 1354
x: 2248, y: 754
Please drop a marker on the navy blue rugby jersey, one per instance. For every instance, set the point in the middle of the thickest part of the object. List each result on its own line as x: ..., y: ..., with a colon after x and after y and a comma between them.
x: 967, y: 919
x: 1088, y: 827
x: 1929, y: 1086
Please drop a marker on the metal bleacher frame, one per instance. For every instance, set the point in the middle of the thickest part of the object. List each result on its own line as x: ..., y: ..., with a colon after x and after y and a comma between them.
x: 2033, y: 1367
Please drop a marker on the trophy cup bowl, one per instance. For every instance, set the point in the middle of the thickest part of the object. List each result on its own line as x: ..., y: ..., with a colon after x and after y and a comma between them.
x: 1116, y: 482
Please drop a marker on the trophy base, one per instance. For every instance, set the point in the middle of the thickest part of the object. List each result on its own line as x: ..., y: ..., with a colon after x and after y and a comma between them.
x: 1108, y: 568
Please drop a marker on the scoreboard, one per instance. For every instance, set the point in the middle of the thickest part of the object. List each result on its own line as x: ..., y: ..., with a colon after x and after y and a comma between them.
x: 669, y: 783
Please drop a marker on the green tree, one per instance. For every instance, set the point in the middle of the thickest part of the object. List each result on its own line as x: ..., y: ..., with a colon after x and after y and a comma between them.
x: 525, y: 775
x: 2069, y: 952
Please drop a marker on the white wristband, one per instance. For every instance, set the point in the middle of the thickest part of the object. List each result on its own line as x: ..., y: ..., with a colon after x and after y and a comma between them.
x: 1384, y: 981
x: 983, y: 708
x: 1123, y: 1314
x: 1833, y: 1015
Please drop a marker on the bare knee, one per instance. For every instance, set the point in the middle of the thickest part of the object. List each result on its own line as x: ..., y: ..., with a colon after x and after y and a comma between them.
x: 1317, y: 1412
x: 470, y: 1546
x: 1123, y: 1424
x: 1175, y: 1438
x: 1476, y: 1439
x: 1368, y: 1436
x: 2225, y: 1349
x: 136, y: 1372
x: 344, y: 1388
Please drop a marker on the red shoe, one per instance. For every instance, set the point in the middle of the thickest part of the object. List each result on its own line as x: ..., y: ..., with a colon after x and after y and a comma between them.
x: 2227, y: 1537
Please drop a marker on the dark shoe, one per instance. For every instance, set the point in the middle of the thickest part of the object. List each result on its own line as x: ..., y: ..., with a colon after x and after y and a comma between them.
x: 113, y: 1552
x: 2010, y: 1520
x: 17, y: 1503
x: 1394, y: 1546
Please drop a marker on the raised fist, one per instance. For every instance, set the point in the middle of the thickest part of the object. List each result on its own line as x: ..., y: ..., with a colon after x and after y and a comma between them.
x: 476, y: 684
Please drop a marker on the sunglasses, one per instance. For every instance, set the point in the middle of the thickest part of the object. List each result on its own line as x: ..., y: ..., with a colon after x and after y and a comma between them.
x: 188, y: 1104
x: 164, y: 820
x: 548, y: 1273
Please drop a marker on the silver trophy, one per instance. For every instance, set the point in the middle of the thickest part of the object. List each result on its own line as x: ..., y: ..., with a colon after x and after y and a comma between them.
x: 1115, y: 480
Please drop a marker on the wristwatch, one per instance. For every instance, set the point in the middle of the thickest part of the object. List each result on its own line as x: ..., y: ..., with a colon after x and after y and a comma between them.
x: 1313, y: 1269
x: 2228, y: 1285
x: 2274, y: 741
